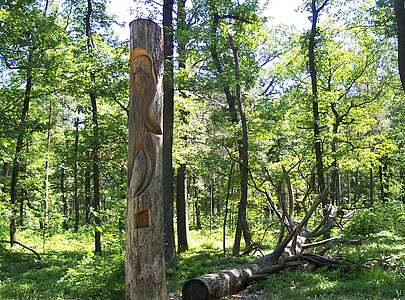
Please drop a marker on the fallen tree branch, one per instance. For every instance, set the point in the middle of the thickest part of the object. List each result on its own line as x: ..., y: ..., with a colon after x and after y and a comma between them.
x: 18, y: 243
x: 230, y: 281
x: 331, y: 240
x: 319, y: 260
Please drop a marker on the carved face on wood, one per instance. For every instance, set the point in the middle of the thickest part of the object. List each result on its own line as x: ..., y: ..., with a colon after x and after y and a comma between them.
x: 143, y: 123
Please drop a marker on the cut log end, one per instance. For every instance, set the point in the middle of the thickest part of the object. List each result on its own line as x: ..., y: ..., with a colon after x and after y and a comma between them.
x: 195, y: 289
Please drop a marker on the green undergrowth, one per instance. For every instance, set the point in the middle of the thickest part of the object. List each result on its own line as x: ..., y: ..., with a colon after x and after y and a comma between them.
x: 69, y: 270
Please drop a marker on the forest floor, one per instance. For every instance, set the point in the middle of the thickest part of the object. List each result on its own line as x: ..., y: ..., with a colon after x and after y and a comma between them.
x: 69, y: 270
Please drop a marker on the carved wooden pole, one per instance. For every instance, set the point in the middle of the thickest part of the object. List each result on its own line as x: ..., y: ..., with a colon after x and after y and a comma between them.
x: 144, y: 261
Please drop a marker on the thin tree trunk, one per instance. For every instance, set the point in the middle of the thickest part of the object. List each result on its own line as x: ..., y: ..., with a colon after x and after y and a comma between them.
x: 371, y: 195
x: 21, y: 209
x: 196, y: 205
x: 228, y: 193
x: 197, y: 215
x: 168, y: 117
x: 244, y: 156
x: 315, y: 106
x: 380, y: 176
x: 87, y: 192
x: 76, y: 177
x: 23, y: 197
x: 96, y: 179
x: 46, y: 200
x: 334, y: 173
x: 181, y: 34
x: 182, y: 222
x: 231, y: 99
x: 64, y: 202
x: 349, y: 187
x: 339, y: 188
x: 182, y: 191
x: 18, y: 150
x: 144, y: 261
x: 212, y: 212
x: 96, y: 145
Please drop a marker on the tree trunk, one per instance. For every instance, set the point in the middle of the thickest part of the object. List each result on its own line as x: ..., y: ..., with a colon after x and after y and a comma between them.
x: 334, y: 173
x: 247, y: 235
x: 243, y: 166
x: 197, y: 215
x: 233, y: 113
x: 46, y: 200
x: 76, y: 177
x: 96, y: 143
x: 18, y: 150
x: 168, y: 117
x: 349, y: 188
x: 64, y: 202
x: 181, y: 205
x: 228, y: 194
x: 196, y: 205
x: 400, y: 20
x: 144, y: 261
x: 182, y: 190
x: 315, y: 106
x: 181, y: 34
x: 23, y: 197
x: 212, y: 212
x: 21, y: 210
x: 371, y: 195
x: 380, y: 176
x: 87, y: 192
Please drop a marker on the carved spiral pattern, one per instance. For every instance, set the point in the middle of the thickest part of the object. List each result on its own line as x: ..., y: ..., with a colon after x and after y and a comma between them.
x: 143, y: 123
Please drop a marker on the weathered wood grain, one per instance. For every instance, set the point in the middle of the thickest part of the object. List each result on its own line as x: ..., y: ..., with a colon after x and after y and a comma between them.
x: 144, y: 261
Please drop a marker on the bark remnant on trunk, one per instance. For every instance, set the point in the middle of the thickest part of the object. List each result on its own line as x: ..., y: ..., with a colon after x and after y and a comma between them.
x: 168, y: 117
x: 400, y: 20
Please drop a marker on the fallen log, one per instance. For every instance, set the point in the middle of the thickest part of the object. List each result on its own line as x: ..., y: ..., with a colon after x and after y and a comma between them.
x: 230, y: 281
x: 287, y: 254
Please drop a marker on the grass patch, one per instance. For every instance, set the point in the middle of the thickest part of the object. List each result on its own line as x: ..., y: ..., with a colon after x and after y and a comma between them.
x: 363, y: 276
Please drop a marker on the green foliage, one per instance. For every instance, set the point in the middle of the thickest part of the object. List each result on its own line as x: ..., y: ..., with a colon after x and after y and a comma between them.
x: 96, y: 277
x: 67, y: 268
x: 365, y: 222
x: 383, y: 216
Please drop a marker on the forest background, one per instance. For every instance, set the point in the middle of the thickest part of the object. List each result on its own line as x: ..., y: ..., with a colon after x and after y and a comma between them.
x: 241, y: 133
